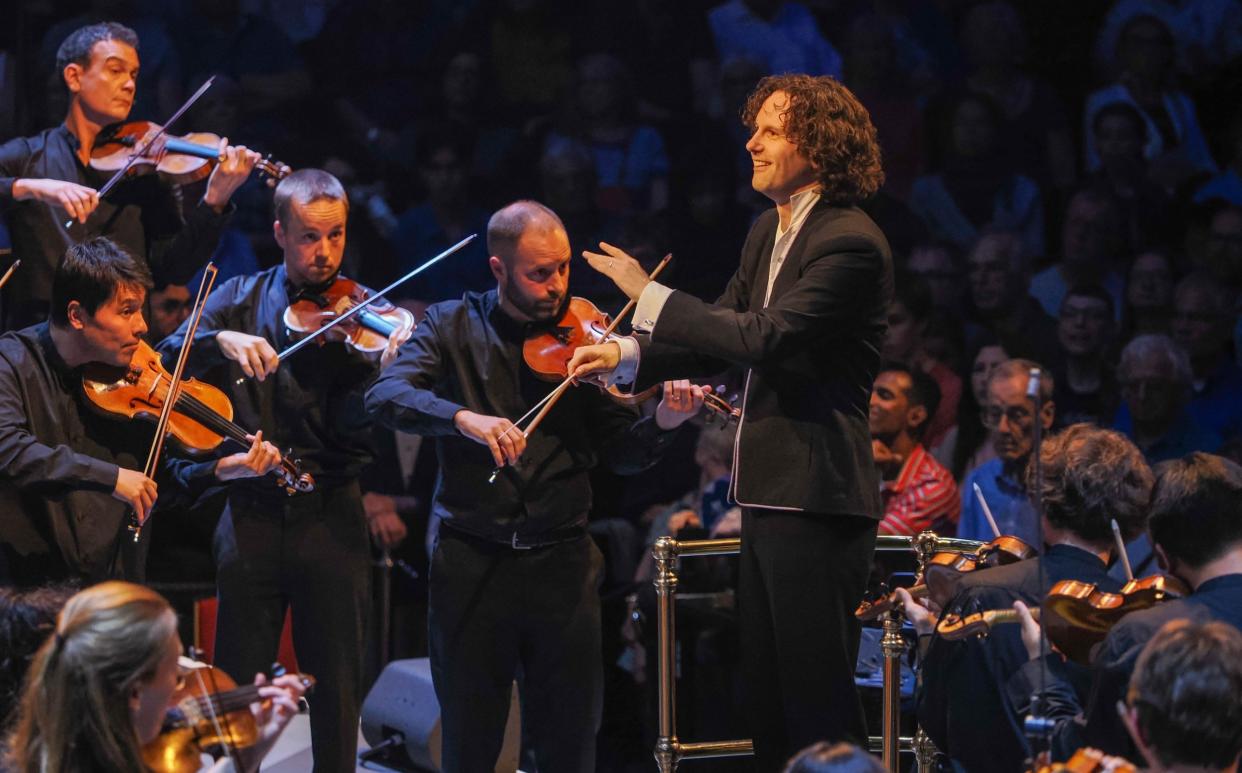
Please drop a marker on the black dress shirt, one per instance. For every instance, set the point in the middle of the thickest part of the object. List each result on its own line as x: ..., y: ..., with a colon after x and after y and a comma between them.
x: 964, y: 705
x: 312, y: 404
x: 142, y: 214
x: 58, y: 467
x: 467, y: 354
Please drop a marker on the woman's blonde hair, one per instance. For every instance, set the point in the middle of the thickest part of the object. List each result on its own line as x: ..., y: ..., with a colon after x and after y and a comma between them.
x: 74, y: 713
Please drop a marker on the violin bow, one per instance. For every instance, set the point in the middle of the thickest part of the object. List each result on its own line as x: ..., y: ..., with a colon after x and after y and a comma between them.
x: 1121, y: 550
x: 120, y: 173
x: 552, y: 397
x: 174, y: 386
x: 355, y: 310
x: 8, y: 274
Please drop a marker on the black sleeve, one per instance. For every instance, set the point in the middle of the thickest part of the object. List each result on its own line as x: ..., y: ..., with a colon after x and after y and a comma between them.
x: 627, y: 445
x: 218, y: 314
x: 403, y: 397
x: 177, y: 248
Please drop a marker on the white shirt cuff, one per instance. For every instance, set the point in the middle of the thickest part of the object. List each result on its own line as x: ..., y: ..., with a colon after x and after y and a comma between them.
x: 626, y: 370
x: 650, y: 304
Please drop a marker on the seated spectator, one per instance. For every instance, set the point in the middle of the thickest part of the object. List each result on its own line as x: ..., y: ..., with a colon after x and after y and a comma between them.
x: 942, y: 266
x: 908, y: 317
x: 1197, y: 532
x: 825, y: 757
x: 974, y: 186
x: 1207, y: 34
x: 1203, y: 318
x: 1155, y: 380
x: 1184, y: 704
x: 966, y: 446
x: 167, y: 308
x: 1037, y: 127
x: 1086, y: 385
x: 1010, y: 416
x: 27, y: 618
x: 871, y: 73
x: 447, y: 214
x: 1227, y: 185
x: 918, y: 492
x: 631, y: 164
x: 1120, y: 135
x: 1149, y: 295
x: 1176, y: 147
x: 1220, y: 252
x: 998, y: 276
x: 113, y: 659
x: 1091, y: 477
x: 1092, y: 244
x: 780, y: 34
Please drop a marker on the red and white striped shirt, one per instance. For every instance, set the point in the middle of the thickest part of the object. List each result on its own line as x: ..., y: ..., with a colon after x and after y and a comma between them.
x: 924, y: 496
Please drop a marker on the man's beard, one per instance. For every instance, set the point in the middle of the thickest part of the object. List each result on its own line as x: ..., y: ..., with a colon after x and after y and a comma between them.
x: 533, y: 309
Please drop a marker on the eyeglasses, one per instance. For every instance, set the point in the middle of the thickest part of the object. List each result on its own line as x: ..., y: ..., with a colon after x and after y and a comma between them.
x: 1017, y: 416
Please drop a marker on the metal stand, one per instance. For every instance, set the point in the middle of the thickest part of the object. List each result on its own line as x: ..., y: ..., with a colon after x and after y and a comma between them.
x: 893, y: 645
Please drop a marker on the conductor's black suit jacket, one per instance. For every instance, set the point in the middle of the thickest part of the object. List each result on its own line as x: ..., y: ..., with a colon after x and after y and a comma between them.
x: 811, y: 356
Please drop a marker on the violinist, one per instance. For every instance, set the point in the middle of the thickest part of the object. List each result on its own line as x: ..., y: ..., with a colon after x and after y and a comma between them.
x: 918, y: 492
x: 104, y: 680
x: 1196, y: 530
x: 67, y: 473
x: 46, y: 181
x: 308, y: 552
x: 1091, y: 476
x: 514, y: 576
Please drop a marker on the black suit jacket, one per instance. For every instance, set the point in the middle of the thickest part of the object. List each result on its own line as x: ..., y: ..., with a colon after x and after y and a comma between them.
x: 811, y: 356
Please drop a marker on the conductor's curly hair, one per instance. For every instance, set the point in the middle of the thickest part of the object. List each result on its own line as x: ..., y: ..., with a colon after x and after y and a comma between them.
x: 831, y: 128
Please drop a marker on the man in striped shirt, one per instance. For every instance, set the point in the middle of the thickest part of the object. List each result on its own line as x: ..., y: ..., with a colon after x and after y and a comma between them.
x: 918, y: 492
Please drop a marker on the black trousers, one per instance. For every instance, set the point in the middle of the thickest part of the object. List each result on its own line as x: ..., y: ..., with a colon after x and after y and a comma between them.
x: 309, y: 553
x: 496, y: 613
x: 800, y: 578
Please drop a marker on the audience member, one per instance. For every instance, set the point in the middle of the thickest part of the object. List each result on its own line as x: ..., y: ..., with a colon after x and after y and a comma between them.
x: 1037, y: 128
x: 975, y: 186
x: 1120, y: 135
x: 908, y: 315
x: 998, y: 274
x: 1156, y: 381
x: 1086, y: 385
x: 27, y: 618
x: 1149, y: 294
x: 1203, y: 316
x: 1176, y: 146
x: 942, y: 267
x: 1010, y: 416
x: 781, y: 34
x: 1227, y: 185
x: 1092, y: 242
x: 918, y: 492
x: 967, y: 446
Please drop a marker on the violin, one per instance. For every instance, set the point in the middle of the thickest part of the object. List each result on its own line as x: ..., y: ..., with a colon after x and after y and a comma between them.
x: 202, y: 417
x: 942, y: 570
x: 1077, y: 615
x: 548, y: 350
x: 211, y: 716
x: 180, y: 160
x: 1088, y: 760
x: 367, y: 331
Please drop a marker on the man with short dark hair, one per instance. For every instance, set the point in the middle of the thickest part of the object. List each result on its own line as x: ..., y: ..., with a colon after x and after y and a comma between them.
x: 1184, y: 705
x: 1196, y: 528
x: 918, y: 492
x: 46, y: 181
x: 1086, y: 389
x: 69, y: 475
x: 514, y: 581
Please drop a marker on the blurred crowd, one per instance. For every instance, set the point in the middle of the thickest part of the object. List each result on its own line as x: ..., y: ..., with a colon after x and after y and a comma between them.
x: 1063, y: 193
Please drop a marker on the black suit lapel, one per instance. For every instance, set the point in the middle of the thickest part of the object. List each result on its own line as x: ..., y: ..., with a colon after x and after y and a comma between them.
x: 760, y: 257
x: 788, y: 274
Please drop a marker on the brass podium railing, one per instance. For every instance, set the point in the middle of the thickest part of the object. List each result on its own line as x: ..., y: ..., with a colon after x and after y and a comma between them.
x: 671, y: 750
